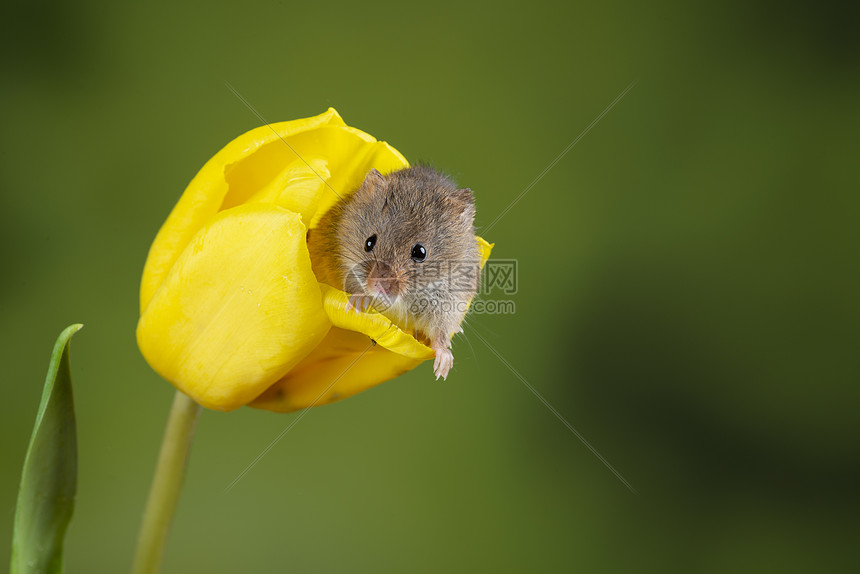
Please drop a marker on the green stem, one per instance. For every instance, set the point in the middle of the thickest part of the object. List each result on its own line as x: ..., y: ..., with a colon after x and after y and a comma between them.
x: 166, y: 485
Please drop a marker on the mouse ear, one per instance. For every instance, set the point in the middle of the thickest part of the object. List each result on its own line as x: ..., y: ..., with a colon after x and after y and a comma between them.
x: 465, y: 194
x: 463, y: 202
x: 374, y: 179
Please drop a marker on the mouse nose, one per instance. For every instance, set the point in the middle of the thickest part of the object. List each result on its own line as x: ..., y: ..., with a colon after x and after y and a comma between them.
x: 383, y: 280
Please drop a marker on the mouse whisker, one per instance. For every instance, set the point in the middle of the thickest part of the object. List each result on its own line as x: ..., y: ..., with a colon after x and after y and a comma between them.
x: 469, y: 342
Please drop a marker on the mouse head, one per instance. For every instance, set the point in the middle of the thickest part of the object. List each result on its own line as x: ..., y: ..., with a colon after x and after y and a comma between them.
x: 404, y: 233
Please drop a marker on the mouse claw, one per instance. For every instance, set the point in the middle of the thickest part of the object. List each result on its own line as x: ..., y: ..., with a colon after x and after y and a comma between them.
x: 443, y: 363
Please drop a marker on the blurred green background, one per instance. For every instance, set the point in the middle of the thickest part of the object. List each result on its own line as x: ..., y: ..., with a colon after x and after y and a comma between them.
x: 688, y: 282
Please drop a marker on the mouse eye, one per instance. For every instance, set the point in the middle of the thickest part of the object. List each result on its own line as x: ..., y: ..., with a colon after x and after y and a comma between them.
x: 419, y: 254
x: 369, y: 243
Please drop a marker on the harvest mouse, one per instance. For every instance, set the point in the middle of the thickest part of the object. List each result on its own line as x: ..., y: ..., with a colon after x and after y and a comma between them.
x: 404, y: 243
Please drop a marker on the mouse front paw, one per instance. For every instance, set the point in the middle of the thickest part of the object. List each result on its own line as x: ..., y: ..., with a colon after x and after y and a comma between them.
x: 359, y: 303
x: 443, y: 363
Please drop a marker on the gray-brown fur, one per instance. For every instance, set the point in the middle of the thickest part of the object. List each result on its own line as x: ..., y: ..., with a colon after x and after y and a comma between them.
x: 416, y: 205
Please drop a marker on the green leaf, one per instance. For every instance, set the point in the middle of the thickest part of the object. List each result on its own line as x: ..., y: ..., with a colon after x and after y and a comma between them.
x: 46, y: 498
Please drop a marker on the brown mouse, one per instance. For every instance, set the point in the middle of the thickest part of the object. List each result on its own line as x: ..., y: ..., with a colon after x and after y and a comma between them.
x: 404, y: 243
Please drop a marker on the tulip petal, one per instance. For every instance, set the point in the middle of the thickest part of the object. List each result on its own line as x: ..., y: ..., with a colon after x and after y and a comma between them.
x: 344, y: 363
x: 308, y: 172
x: 486, y: 249
x: 361, y: 351
x: 374, y: 325
x: 238, y: 309
x: 350, y: 153
x: 298, y: 188
x: 207, y: 193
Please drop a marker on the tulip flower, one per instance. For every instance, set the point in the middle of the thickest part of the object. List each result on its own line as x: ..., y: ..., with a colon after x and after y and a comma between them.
x: 231, y: 312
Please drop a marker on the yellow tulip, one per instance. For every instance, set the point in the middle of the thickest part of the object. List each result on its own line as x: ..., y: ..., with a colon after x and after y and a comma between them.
x: 231, y: 312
